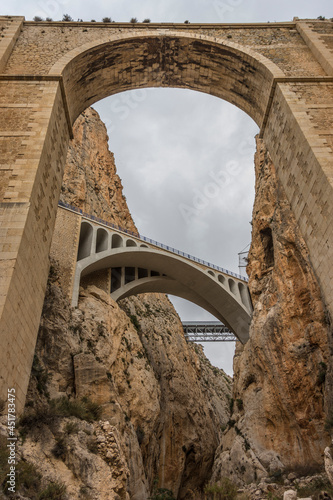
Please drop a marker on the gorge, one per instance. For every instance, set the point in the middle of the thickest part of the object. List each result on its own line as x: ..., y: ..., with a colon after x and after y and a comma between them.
x: 151, y: 409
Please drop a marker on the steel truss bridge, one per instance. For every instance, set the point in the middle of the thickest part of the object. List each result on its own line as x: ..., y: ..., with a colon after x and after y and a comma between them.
x: 207, y: 331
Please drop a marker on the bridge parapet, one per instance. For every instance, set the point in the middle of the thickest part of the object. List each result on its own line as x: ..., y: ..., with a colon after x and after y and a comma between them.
x: 207, y: 331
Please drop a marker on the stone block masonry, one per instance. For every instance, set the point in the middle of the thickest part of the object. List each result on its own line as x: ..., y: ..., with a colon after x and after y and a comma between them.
x: 278, y: 73
x: 64, y: 247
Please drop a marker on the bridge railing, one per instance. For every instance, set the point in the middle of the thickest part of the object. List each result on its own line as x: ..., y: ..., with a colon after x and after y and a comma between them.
x: 149, y: 240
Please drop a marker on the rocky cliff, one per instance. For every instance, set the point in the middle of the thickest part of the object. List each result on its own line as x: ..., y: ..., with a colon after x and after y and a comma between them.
x: 281, y: 389
x: 119, y: 404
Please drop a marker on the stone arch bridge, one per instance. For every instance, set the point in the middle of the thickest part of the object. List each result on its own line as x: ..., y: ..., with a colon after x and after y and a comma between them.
x: 136, y: 264
x: 280, y: 74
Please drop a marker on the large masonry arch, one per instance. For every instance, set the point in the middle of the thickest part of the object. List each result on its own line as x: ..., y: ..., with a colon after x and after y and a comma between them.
x: 175, y: 59
x: 281, y: 74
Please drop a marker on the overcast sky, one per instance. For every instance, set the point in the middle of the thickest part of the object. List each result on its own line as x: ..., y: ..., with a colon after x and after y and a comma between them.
x: 185, y: 158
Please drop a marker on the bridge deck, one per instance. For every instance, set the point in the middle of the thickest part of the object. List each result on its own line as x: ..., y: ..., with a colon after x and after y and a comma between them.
x: 207, y: 331
x: 149, y: 240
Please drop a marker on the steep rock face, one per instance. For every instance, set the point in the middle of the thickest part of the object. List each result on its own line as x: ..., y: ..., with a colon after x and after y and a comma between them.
x: 279, y: 375
x: 163, y: 405
x: 90, y: 180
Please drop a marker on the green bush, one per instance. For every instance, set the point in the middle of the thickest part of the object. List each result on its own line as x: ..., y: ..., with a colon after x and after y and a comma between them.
x: 223, y: 490
x: 54, y: 491
x: 67, y: 17
x: 28, y: 479
x: 135, y: 321
x: 34, y: 418
x: 59, y: 449
x: 84, y: 409
x: 240, y: 404
x: 41, y: 376
x: 315, y: 488
x: 162, y: 494
x: 71, y: 428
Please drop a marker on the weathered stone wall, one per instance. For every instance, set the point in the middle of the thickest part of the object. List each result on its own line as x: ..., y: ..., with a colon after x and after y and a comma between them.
x: 281, y: 43
x: 33, y: 162
x: 64, y: 247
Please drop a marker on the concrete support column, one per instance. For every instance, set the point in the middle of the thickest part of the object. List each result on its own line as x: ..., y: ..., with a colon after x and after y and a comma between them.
x: 122, y: 281
x: 93, y: 241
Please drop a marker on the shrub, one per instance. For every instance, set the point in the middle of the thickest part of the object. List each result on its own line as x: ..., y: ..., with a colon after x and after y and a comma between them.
x: 94, y: 410
x: 35, y: 418
x: 223, y: 490
x: 162, y: 494
x: 146, y: 20
x: 106, y: 20
x: 41, y: 376
x: 240, y: 404
x: 28, y: 479
x: 84, y: 409
x: 135, y: 321
x: 59, y: 449
x: 37, y: 19
x: 133, y: 20
x: 67, y: 17
x: 71, y: 428
x: 54, y: 491
x: 315, y: 488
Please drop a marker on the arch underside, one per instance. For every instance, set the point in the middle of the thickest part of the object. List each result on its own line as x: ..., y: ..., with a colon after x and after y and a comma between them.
x: 173, y: 60
x: 177, y: 277
x: 164, y: 284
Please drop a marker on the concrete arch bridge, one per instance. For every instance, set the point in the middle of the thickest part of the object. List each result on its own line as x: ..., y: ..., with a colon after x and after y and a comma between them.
x: 138, y: 264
